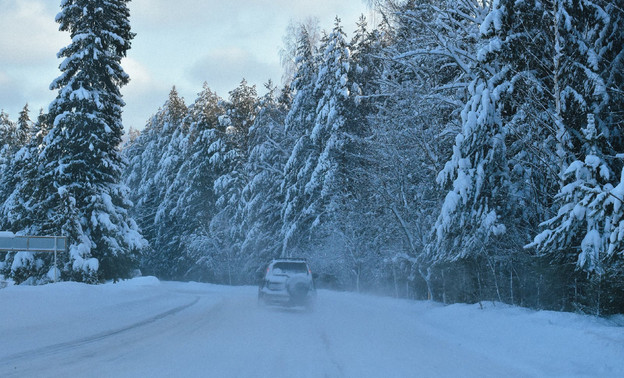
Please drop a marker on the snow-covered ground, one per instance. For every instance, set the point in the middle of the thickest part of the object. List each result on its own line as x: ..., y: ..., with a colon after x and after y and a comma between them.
x: 147, y: 328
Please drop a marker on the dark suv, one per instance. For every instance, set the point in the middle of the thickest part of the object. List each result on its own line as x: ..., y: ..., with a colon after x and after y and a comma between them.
x: 288, y: 282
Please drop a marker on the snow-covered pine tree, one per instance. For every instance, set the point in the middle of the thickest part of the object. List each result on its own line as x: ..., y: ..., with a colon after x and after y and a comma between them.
x: 82, y: 196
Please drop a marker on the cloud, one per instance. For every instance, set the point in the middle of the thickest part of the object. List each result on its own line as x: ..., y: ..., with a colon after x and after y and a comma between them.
x: 139, y: 74
x: 182, y: 43
x: 11, y: 98
x: 17, y: 89
x: 143, y: 95
x: 224, y: 68
x: 29, y: 33
x: 4, y: 79
x: 188, y: 42
x: 193, y: 12
x: 29, y: 42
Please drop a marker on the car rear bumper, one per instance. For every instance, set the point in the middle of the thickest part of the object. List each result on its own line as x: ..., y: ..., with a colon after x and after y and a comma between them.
x: 282, y: 297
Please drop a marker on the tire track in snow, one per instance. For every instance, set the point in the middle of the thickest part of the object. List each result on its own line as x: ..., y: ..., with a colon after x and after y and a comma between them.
x: 69, y: 345
x: 331, y: 355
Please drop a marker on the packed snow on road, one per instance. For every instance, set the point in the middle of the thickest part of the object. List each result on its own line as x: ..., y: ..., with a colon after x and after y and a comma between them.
x: 144, y: 327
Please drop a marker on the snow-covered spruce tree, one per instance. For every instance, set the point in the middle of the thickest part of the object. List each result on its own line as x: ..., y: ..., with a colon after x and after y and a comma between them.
x: 584, y: 231
x: 523, y: 49
x: 612, y: 72
x: 289, y: 53
x: 5, y: 185
x: 8, y: 146
x: 472, y: 208
x: 366, y: 46
x: 361, y: 222
x: 153, y: 163
x: 19, y: 182
x: 337, y: 191
x: 473, y: 212
x: 167, y: 242
x: 19, y: 205
x: 241, y: 111
x: 193, y: 189
x: 8, y: 132
x: 579, y: 221
x: 24, y: 127
x: 262, y: 198
x: 298, y: 125
x: 333, y: 91
x: 516, y: 64
x: 13, y: 137
x: 81, y: 167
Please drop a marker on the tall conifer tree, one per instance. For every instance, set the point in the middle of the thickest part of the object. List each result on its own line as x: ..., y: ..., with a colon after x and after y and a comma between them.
x: 82, y: 197
x: 298, y: 125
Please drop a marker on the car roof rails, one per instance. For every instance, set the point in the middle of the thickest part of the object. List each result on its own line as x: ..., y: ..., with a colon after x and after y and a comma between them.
x: 290, y: 259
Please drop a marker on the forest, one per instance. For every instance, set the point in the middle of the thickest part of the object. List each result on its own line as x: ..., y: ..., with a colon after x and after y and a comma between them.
x: 459, y: 151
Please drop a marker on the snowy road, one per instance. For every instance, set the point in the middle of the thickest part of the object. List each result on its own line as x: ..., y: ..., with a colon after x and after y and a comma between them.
x: 151, y: 329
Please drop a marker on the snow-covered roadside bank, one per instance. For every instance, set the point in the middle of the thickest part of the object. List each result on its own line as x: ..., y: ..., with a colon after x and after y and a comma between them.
x: 540, y: 343
x: 146, y: 327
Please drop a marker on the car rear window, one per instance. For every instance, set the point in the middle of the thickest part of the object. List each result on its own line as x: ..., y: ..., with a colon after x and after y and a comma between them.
x: 291, y: 267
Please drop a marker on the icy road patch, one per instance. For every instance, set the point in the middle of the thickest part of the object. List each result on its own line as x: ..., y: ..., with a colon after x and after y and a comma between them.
x: 145, y: 327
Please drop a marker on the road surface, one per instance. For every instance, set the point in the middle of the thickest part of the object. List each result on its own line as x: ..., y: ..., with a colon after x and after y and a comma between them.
x: 195, y: 330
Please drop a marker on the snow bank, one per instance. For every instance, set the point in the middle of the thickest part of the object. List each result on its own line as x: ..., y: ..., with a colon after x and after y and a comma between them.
x: 545, y: 343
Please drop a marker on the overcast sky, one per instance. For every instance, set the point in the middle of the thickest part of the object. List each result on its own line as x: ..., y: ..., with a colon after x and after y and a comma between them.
x: 181, y: 43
